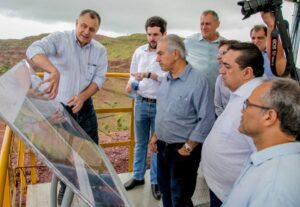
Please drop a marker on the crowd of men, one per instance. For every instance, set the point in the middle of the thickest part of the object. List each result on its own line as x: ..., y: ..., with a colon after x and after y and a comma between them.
x: 202, y: 99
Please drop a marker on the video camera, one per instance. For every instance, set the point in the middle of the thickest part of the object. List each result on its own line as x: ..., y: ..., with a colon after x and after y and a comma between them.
x: 254, y: 6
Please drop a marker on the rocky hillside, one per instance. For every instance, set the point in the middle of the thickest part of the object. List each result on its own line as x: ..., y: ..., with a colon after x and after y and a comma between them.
x: 120, y: 50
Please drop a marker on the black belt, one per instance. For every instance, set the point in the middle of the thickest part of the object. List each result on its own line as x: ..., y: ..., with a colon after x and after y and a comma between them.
x: 177, y: 145
x: 150, y: 100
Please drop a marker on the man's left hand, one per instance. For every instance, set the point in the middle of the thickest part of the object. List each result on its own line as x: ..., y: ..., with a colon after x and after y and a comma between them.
x: 75, y: 103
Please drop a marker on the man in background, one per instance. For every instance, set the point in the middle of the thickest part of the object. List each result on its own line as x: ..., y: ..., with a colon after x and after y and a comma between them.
x: 258, y: 36
x: 222, y: 92
x: 148, y: 73
x: 202, y: 48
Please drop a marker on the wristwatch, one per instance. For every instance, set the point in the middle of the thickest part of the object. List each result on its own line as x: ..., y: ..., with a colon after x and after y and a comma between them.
x: 188, y: 148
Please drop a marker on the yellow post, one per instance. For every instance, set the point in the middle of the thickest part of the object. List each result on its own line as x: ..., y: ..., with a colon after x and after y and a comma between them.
x: 4, y: 157
x: 33, y: 171
x: 131, y: 146
x: 22, y: 170
x: 6, y: 201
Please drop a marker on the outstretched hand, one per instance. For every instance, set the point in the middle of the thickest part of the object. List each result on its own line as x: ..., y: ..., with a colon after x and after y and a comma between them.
x: 53, y: 81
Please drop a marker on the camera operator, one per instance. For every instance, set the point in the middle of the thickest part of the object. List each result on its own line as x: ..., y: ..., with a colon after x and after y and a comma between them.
x: 269, y: 20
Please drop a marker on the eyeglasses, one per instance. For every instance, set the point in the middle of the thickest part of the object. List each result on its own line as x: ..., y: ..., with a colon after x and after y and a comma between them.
x: 248, y: 103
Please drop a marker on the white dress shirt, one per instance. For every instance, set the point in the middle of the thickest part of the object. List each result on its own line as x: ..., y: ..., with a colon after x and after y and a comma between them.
x: 225, y: 150
x: 144, y: 60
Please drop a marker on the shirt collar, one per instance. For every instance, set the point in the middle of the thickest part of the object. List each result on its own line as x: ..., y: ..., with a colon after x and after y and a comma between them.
x: 259, y: 157
x: 245, y: 89
x: 88, y: 45
x: 145, y: 48
x: 215, y: 41
x: 183, y: 75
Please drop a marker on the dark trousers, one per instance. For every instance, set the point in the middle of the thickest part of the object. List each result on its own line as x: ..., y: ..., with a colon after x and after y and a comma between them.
x: 86, y: 118
x: 214, y: 200
x: 177, y: 174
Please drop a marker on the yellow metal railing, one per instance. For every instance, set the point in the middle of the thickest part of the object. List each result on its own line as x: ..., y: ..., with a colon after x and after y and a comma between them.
x: 4, y: 159
x: 7, y: 143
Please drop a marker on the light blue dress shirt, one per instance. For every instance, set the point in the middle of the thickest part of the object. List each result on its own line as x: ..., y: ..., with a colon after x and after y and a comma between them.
x: 78, y: 66
x: 184, y: 108
x: 225, y: 150
x: 222, y: 95
x: 272, y: 178
x: 267, y: 67
x: 202, y: 55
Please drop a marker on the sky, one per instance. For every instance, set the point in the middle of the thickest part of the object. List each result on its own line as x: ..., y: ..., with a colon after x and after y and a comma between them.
x: 19, y: 19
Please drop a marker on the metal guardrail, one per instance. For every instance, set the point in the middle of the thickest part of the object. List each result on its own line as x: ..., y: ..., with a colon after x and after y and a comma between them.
x: 5, y: 189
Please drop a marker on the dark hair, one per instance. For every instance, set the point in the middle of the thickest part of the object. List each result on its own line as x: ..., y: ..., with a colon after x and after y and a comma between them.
x: 156, y: 21
x: 227, y: 42
x: 93, y: 14
x: 212, y: 12
x: 250, y: 56
x: 284, y: 97
x: 258, y: 27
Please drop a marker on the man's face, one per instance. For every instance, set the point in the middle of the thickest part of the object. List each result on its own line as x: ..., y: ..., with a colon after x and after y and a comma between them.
x: 165, y: 59
x: 222, y: 50
x: 208, y: 26
x: 252, y: 119
x: 86, y: 29
x: 230, y: 70
x: 153, y: 34
x: 259, y: 39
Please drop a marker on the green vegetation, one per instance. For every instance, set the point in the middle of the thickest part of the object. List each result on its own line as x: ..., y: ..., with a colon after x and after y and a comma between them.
x: 122, y: 47
x: 19, y: 43
x: 3, y: 69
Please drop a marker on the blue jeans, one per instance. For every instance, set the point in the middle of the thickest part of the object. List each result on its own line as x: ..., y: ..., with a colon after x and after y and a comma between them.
x: 177, y: 174
x: 144, y: 117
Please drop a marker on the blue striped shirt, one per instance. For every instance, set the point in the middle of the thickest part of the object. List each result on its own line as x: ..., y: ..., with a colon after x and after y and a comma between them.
x: 185, y: 109
x: 202, y: 55
x: 78, y: 66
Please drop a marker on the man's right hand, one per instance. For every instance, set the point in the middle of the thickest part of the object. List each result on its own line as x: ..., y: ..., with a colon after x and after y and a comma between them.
x: 53, y: 81
x: 43, y: 62
x: 128, y: 88
x: 152, y: 143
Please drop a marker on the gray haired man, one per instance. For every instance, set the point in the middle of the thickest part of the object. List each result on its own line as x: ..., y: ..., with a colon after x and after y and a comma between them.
x: 185, y: 115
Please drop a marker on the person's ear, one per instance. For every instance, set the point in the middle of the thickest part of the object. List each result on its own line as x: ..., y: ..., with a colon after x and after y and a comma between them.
x: 248, y: 73
x: 270, y: 117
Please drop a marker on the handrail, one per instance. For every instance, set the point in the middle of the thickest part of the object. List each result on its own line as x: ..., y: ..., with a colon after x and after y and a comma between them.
x: 4, y: 157
x: 109, y: 75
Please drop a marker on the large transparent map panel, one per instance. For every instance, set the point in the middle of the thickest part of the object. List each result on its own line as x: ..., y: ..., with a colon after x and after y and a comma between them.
x: 48, y: 129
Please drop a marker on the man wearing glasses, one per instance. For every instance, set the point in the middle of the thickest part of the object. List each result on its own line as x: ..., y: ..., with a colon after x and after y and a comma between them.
x: 271, y: 117
x: 225, y: 150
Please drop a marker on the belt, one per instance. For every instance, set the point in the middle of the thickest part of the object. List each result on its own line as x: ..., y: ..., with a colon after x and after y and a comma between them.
x: 150, y: 100
x: 177, y: 145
